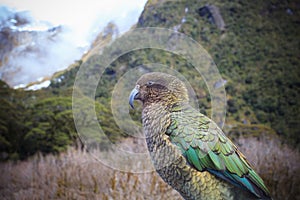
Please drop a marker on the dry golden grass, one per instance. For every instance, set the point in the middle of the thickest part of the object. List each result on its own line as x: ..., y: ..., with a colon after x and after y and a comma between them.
x: 276, y: 163
x: 77, y: 175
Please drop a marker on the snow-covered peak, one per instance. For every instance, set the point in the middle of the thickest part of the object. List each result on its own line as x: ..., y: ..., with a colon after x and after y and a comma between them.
x: 43, y: 37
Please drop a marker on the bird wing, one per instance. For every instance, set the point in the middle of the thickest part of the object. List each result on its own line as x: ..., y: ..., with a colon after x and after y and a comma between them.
x: 206, y: 148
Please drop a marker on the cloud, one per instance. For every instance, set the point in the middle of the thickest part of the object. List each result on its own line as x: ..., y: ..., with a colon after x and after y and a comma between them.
x: 82, y: 21
x: 83, y: 17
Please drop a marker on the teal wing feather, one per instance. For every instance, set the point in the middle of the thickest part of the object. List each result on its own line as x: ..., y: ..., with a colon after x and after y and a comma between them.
x: 206, y: 148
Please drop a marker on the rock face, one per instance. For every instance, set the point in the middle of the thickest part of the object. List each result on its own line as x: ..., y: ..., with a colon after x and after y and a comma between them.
x: 212, y: 13
x: 31, y: 50
x: 22, y: 38
x: 17, y: 43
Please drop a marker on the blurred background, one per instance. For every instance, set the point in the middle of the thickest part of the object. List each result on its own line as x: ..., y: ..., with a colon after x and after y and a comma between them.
x: 255, y: 45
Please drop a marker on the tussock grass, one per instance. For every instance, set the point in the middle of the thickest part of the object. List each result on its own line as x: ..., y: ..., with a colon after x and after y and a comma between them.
x: 276, y: 163
x: 75, y: 174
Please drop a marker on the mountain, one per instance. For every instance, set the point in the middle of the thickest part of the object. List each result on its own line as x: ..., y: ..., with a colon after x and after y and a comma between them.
x: 254, y: 53
x: 31, y: 49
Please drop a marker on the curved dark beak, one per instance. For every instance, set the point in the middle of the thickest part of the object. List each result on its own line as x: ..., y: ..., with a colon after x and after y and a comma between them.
x: 132, y: 96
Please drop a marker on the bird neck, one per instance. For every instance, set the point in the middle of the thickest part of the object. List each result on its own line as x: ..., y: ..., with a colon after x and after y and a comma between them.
x: 156, y: 118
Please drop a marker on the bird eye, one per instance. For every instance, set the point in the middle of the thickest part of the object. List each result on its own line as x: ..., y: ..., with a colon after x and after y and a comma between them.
x: 149, y: 83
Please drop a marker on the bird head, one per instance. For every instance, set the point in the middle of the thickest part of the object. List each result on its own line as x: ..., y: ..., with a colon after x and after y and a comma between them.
x: 158, y: 88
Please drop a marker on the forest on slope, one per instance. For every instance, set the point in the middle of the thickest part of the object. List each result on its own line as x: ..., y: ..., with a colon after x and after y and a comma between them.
x: 257, y: 54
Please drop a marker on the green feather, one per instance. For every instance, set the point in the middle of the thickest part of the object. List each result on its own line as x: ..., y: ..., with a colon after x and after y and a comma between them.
x: 226, y: 148
x: 258, y: 181
x: 216, y: 160
x: 216, y: 148
x: 230, y: 165
x: 193, y: 158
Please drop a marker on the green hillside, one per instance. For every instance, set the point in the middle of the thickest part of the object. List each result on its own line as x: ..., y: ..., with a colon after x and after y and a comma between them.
x: 257, y: 53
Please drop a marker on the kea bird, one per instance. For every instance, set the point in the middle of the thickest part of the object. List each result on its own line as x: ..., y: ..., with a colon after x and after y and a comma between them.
x: 188, y: 150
